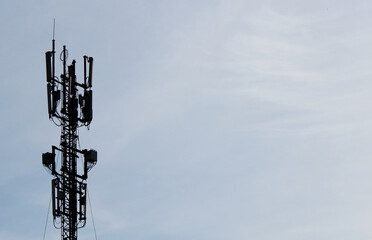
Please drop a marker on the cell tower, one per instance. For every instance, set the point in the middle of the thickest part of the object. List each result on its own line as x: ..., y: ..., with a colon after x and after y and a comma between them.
x: 69, y: 110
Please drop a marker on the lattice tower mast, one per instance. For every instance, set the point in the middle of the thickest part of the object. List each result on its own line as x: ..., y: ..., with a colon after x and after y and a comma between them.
x: 69, y: 110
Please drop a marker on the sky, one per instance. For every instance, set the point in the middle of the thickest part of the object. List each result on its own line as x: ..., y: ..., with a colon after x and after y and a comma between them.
x: 213, y: 120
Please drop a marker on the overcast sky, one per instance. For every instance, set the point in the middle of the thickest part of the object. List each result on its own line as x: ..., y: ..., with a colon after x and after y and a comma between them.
x: 213, y: 120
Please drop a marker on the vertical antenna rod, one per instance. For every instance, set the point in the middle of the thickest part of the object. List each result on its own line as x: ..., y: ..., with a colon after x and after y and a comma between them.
x: 69, y: 187
x: 53, y: 46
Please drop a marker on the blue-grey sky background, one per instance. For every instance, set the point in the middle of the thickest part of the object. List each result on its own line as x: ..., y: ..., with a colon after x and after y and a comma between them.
x: 213, y: 120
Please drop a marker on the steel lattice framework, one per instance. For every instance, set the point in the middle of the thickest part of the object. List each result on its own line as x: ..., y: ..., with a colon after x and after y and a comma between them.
x: 69, y: 188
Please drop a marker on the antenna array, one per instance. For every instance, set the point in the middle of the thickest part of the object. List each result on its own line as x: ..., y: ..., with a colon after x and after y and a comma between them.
x: 70, y: 110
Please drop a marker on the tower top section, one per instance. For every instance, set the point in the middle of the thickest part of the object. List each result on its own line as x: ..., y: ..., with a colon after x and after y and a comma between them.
x: 63, y: 88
